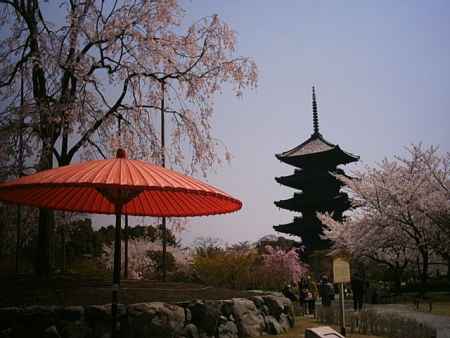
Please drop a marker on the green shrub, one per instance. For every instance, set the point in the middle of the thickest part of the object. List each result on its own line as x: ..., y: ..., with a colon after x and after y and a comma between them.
x: 89, y: 267
x: 156, y: 256
x: 248, y: 268
x: 232, y: 269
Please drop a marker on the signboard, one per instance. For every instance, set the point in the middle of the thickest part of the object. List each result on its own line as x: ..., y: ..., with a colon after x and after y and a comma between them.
x: 341, y: 270
x: 322, y: 331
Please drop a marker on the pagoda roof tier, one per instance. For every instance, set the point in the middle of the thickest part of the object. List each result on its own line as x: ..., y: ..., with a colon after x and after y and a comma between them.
x: 300, y: 202
x: 297, y: 228
x: 301, y: 178
x: 310, y: 233
x: 291, y: 229
x: 316, y: 151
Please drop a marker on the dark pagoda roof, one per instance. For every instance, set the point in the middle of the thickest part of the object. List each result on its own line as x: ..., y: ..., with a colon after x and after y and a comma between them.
x: 309, y: 231
x: 299, y: 202
x: 316, y: 150
x: 301, y: 178
x: 299, y: 226
x: 291, y: 229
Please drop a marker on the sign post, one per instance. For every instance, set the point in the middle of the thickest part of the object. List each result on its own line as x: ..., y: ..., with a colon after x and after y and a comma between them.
x: 341, y: 275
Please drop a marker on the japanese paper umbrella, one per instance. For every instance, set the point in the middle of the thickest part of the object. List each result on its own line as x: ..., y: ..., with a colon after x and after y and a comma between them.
x: 118, y: 186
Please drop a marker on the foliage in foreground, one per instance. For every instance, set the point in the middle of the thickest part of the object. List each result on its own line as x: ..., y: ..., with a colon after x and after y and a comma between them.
x: 242, y: 266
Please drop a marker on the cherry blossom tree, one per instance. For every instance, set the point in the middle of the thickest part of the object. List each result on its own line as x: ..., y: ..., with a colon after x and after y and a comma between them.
x: 403, y: 216
x: 66, y: 81
x: 141, y: 264
x: 247, y: 265
x: 371, y: 244
x: 283, y: 265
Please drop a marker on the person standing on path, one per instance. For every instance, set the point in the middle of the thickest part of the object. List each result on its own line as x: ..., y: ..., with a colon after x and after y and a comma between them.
x: 326, y: 291
x: 289, y: 293
x: 358, y: 290
x: 308, y: 294
x: 302, y: 294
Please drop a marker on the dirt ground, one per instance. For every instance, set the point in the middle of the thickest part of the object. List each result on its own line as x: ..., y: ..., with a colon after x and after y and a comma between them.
x: 73, y: 290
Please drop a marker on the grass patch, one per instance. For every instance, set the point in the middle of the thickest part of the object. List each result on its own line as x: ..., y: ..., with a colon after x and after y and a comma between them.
x: 302, y: 323
x: 438, y: 308
x: 440, y: 303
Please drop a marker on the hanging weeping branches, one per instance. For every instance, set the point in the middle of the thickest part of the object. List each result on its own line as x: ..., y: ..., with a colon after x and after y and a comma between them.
x: 111, y: 59
x: 100, y: 59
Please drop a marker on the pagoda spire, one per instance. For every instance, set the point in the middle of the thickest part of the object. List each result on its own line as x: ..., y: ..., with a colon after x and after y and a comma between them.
x: 315, y: 113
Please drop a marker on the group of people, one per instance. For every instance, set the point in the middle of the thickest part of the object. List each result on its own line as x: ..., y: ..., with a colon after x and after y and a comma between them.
x: 309, y: 291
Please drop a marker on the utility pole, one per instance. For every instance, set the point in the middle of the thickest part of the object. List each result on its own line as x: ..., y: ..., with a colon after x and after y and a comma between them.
x: 19, y: 174
x: 341, y: 303
x: 163, y: 164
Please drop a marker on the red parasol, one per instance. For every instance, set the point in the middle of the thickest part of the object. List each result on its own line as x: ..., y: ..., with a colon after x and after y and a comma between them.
x: 135, y: 187
x: 118, y: 186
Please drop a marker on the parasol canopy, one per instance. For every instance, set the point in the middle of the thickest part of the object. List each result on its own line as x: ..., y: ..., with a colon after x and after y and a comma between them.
x: 137, y: 187
x: 118, y: 186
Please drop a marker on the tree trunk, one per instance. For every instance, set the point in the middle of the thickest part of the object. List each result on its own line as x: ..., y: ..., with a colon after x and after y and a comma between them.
x: 63, y: 239
x: 424, y: 272
x: 44, y: 257
x: 18, y: 237
x: 125, y: 272
x: 397, y: 281
x: 448, y: 269
x: 45, y: 237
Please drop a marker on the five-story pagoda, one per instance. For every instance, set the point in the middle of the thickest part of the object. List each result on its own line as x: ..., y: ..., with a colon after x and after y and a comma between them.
x: 316, y: 162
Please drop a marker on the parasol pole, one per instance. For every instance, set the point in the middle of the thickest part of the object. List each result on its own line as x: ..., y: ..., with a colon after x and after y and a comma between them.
x: 125, y: 230
x: 163, y: 164
x: 125, y: 239
x: 116, y: 272
x: 63, y: 239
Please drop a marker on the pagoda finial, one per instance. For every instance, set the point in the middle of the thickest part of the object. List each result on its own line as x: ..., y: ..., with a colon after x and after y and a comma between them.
x: 315, y: 114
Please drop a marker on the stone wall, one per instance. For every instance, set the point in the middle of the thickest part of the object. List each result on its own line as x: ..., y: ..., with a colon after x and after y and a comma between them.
x: 238, y: 317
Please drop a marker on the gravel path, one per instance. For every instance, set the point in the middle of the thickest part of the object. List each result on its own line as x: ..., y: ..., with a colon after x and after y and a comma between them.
x: 440, y: 323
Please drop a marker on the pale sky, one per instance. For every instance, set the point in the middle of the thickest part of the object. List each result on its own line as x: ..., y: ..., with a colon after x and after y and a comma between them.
x: 382, y: 71
x: 382, y: 74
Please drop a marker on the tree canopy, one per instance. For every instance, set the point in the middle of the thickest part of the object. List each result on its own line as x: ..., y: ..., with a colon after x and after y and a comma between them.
x: 68, y: 72
x: 403, y: 220
x: 71, y: 74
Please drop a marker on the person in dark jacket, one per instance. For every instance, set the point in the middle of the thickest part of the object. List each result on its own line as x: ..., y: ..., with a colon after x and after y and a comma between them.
x: 289, y: 293
x: 326, y: 291
x: 358, y: 290
x: 302, y: 294
x: 307, y: 294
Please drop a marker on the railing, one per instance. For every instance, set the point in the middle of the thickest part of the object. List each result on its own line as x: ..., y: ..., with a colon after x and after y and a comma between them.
x: 376, y: 323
